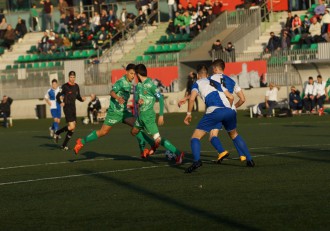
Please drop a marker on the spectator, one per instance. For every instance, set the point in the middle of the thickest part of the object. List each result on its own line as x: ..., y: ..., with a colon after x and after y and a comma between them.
x: 230, y: 50
x: 172, y: 7
x: 320, y: 94
x: 216, y: 9
x: 199, y: 6
x: 112, y: 16
x: 152, y: 15
x: 192, y: 78
x: 141, y: 19
x: 305, y: 25
x: 325, y: 21
x: 216, y: 47
x: 314, y: 35
x: 193, y: 24
x: 288, y: 23
x: 185, y: 18
x: 180, y: 9
x: 63, y: 7
x: 48, y: 11
x: 20, y: 29
x: 309, y: 99
x: 104, y: 18
x: 101, y: 36
x: 97, y: 6
x: 326, y: 36
x: 191, y: 8
x: 207, y: 6
x: 35, y: 18
x: 59, y: 44
x: 5, y: 109
x: 83, y: 23
x: 82, y: 41
x: 178, y: 22
x: 94, y: 106
x: 201, y: 21
x: 274, y: 43
x: 95, y: 22
x: 43, y: 43
x: 285, y: 41
x: 3, y: 27
x: 295, y: 102
x: 296, y: 25
x: 270, y: 101
x: 63, y: 24
x: 144, y: 4
x: 171, y: 29
x: 9, y: 38
x: 123, y: 15
x: 209, y: 17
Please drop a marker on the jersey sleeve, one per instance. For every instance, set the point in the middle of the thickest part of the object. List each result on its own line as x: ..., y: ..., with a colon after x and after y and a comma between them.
x: 155, y: 91
x: 78, y: 94
x: 117, y: 87
x: 195, y: 87
x: 237, y: 88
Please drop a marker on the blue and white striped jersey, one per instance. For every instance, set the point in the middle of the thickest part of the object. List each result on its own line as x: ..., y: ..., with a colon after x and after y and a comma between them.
x: 51, y: 96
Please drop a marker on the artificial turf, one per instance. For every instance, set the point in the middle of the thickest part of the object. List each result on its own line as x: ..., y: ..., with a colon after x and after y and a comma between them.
x: 108, y: 187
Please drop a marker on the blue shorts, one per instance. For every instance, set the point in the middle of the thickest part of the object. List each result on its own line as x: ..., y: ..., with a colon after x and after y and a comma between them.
x: 219, y: 117
x: 56, y: 113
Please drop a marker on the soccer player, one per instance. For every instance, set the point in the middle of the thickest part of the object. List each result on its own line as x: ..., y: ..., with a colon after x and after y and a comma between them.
x: 118, y: 113
x: 55, y: 107
x: 218, y: 111
x: 217, y: 80
x: 146, y: 96
x: 67, y: 97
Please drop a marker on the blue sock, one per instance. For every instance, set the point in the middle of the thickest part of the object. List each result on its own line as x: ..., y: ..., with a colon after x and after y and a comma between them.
x: 239, y: 151
x: 55, y: 126
x: 215, y: 141
x: 195, y: 145
x: 242, y: 147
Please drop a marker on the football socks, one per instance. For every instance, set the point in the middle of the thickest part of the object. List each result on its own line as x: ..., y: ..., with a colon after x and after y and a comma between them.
x: 215, y: 141
x: 195, y: 148
x: 89, y: 138
x: 166, y: 144
x: 67, y: 138
x: 241, y: 147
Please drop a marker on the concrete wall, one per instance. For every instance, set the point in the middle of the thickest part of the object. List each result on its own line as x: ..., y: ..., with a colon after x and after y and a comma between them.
x: 26, y: 109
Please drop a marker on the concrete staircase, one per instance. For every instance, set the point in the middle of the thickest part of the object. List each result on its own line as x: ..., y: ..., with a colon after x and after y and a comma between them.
x: 142, y: 44
x: 20, y: 48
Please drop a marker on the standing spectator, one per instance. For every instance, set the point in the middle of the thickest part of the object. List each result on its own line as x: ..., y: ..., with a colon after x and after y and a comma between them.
x: 285, y: 41
x: 216, y: 47
x: 270, y: 101
x: 97, y: 6
x: 5, y: 109
x: 3, y: 27
x: 63, y: 25
x: 95, y: 22
x: 325, y: 21
x: 141, y: 19
x: 274, y: 43
x: 63, y: 7
x: 144, y: 4
x: 94, y: 106
x: 43, y: 43
x: 172, y: 7
x: 48, y: 13
x: 216, y: 8
x: 320, y: 93
x: 209, y: 17
x: 309, y: 99
x: 9, y: 38
x: 230, y: 50
x: 295, y: 102
x: 35, y: 18
x: 207, y: 6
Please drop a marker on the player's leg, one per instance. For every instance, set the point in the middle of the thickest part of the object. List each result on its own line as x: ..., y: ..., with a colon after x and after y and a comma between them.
x: 216, y: 143
x: 195, y: 145
x: 71, y: 126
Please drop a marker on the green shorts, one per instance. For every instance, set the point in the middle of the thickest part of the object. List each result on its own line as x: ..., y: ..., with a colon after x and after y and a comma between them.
x: 116, y: 117
x: 147, y: 123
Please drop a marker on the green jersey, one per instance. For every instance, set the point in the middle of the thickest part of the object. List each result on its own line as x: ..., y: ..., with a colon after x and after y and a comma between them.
x: 149, y: 93
x: 123, y: 89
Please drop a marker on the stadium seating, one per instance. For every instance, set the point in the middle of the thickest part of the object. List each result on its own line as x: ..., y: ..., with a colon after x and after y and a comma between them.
x: 166, y: 48
x: 174, y: 39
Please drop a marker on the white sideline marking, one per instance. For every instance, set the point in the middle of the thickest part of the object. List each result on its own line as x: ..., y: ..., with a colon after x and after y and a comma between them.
x: 121, y: 170
x: 79, y: 175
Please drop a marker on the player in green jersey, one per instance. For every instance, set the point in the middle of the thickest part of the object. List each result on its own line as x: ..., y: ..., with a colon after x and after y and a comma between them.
x: 146, y: 96
x: 118, y: 113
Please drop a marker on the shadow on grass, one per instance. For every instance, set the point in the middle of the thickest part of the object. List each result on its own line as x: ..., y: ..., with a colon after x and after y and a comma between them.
x: 317, y: 155
x: 186, y: 207
x: 43, y: 137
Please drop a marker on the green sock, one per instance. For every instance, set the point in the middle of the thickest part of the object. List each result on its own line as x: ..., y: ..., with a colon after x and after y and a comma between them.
x: 166, y: 144
x: 141, y: 141
x: 148, y: 139
x: 91, y: 137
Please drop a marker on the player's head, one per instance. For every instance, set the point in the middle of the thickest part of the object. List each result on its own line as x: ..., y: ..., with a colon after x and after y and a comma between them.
x: 72, y: 77
x: 218, y: 66
x: 130, y: 72
x: 54, y: 83
x: 202, y: 71
x: 141, y: 71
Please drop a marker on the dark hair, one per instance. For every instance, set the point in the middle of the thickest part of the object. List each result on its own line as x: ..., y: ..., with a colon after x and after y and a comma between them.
x: 319, y: 76
x: 219, y: 63
x: 72, y: 73
x: 141, y: 70
x: 130, y: 66
x: 202, y: 69
x: 54, y: 81
x: 310, y: 77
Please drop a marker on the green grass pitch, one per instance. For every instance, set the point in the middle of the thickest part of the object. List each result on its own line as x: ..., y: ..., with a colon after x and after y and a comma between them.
x: 108, y: 187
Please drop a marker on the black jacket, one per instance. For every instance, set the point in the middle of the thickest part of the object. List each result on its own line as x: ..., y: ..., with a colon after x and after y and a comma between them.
x: 5, y: 107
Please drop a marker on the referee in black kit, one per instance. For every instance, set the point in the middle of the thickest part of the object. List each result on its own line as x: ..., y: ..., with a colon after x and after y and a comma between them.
x: 67, y: 98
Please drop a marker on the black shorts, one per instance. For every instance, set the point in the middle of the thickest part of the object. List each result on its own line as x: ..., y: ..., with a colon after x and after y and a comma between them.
x: 70, y: 113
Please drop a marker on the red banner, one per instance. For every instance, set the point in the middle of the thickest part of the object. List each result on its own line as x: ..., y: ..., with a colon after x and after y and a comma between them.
x: 165, y: 74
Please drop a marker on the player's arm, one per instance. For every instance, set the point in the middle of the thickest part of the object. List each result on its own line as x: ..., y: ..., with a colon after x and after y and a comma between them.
x: 160, y: 98
x: 81, y: 99
x: 241, y: 100
x: 191, y: 102
x: 59, y: 98
x: 47, y: 99
x: 113, y: 93
x: 229, y: 96
x: 184, y: 100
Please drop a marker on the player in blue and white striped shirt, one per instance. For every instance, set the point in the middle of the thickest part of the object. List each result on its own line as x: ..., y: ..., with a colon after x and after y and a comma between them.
x: 55, y: 107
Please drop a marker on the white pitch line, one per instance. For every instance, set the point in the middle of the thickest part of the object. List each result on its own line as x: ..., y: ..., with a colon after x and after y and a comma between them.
x: 78, y: 175
x: 120, y: 170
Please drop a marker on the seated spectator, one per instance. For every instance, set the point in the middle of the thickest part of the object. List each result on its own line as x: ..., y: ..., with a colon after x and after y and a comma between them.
x: 51, y: 41
x: 193, y: 24
x: 3, y: 27
x: 101, y: 36
x: 5, y: 109
x: 191, y: 8
x: 20, y: 29
x: 295, y: 102
x: 141, y: 19
x: 95, y: 22
x: 216, y: 47
x: 314, y: 34
x: 274, y: 43
x: 199, y: 6
x: 216, y: 8
x: 285, y: 41
x: 207, y: 5
x: 171, y: 28
x: 185, y: 18
x: 9, y: 37
x: 201, y: 21
x: 181, y: 10
x: 296, y: 25
x: 58, y: 44
x: 83, y: 23
x: 320, y: 94
x: 270, y: 101
x: 288, y: 23
x: 63, y: 24
x: 104, y: 18
x: 305, y: 25
x: 326, y: 36
x: 94, y: 106
x: 43, y: 45
x: 82, y: 41
x: 111, y: 16
x: 309, y: 99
